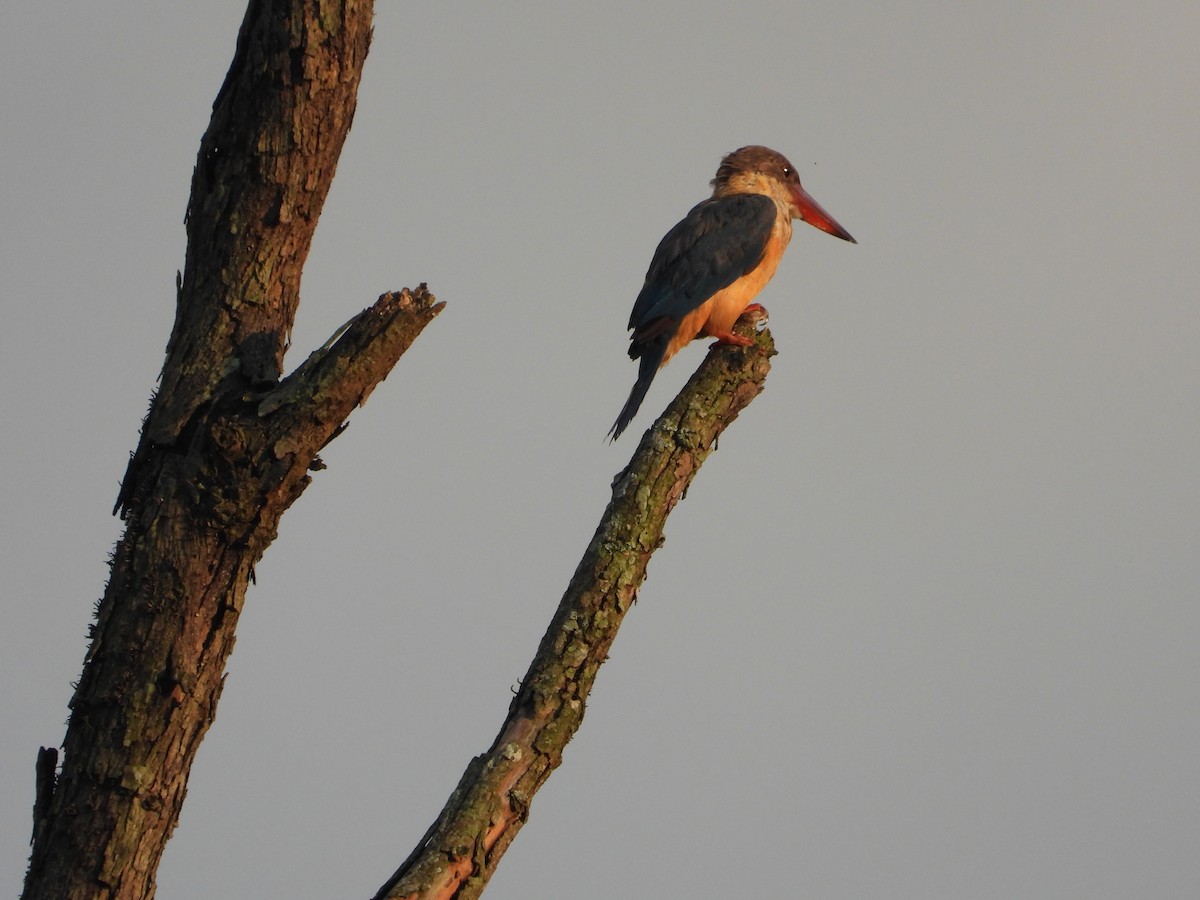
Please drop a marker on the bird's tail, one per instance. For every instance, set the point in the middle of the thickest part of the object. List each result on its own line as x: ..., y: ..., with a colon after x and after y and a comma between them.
x: 651, y: 359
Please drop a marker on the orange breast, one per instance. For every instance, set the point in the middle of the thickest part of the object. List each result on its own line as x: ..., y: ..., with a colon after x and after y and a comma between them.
x: 716, y: 315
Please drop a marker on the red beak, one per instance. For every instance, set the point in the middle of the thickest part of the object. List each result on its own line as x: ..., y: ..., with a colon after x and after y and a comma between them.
x: 812, y: 213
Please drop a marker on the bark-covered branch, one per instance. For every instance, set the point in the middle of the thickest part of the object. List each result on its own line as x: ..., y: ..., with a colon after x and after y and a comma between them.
x: 262, y: 174
x: 459, y: 852
x: 225, y: 450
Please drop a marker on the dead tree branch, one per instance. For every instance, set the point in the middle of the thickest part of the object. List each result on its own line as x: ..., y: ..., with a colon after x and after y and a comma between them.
x: 459, y: 852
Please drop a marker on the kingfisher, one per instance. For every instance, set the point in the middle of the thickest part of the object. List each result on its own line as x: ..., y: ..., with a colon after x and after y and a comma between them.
x: 708, y: 269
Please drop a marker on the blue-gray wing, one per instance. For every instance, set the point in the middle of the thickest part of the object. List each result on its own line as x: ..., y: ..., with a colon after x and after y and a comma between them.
x: 718, y: 242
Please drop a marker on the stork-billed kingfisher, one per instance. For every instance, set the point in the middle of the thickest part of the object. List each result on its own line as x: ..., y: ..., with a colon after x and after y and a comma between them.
x: 708, y: 269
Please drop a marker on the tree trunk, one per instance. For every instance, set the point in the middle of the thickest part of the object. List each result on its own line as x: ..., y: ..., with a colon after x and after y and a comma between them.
x: 225, y: 449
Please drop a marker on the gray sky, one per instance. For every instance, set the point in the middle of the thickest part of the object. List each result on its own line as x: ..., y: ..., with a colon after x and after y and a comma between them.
x: 925, y: 626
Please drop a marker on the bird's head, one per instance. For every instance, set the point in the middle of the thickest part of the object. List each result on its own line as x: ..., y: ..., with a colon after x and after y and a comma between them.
x: 760, y: 170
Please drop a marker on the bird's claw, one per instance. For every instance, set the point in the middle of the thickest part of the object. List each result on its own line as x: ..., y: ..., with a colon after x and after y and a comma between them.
x: 730, y: 340
x: 760, y: 314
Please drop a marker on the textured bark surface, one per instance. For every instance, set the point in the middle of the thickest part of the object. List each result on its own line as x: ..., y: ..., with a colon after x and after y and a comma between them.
x: 225, y: 450
x: 459, y: 852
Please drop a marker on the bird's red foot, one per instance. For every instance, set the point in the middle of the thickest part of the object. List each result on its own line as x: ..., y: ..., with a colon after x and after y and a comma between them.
x: 729, y: 339
x: 755, y: 308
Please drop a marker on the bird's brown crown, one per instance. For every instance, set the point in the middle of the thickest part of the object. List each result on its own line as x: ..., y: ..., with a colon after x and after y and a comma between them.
x: 754, y: 160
